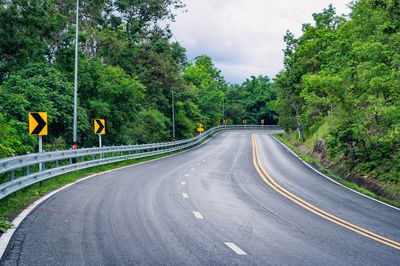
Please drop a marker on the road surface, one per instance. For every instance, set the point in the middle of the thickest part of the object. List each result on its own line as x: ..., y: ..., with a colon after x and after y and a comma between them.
x: 241, y: 198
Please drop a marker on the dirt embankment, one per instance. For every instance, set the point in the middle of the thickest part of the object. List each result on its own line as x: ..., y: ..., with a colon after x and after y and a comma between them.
x: 319, y: 153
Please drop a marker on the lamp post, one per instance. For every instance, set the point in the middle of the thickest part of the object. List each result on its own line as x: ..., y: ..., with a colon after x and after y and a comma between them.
x: 173, y: 117
x: 223, y: 109
x: 74, y: 141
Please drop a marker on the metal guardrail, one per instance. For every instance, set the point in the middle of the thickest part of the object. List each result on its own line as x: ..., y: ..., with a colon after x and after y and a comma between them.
x: 97, y: 156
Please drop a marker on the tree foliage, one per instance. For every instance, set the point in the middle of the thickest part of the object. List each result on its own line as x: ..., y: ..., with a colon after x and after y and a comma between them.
x: 346, y: 73
x: 128, y: 70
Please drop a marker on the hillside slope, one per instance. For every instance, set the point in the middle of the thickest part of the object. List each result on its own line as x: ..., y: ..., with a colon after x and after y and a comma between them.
x: 340, y: 87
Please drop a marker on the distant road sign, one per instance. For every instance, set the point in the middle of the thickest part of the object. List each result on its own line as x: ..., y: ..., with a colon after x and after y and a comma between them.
x: 38, y: 123
x: 200, y: 127
x: 99, y: 126
x: 218, y: 122
x: 225, y: 121
x: 244, y: 121
x: 262, y: 121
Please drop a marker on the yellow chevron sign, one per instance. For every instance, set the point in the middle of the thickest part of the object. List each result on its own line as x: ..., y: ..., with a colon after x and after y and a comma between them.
x: 99, y: 126
x: 38, y: 123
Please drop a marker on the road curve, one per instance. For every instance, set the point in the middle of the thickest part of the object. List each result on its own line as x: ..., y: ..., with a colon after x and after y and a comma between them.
x: 238, y: 199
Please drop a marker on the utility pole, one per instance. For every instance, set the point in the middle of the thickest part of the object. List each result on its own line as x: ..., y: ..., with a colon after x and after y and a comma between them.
x: 74, y: 142
x: 223, y: 110
x: 173, y: 117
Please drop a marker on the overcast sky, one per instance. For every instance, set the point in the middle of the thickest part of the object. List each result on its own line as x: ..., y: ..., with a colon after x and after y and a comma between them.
x: 244, y: 37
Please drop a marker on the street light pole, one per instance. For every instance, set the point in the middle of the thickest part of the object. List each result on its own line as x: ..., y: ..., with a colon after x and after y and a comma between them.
x: 173, y: 117
x: 223, y: 110
x: 74, y: 142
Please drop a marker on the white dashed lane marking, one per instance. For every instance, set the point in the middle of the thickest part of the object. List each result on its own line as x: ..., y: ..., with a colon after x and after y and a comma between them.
x: 183, y: 183
x: 235, y: 248
x: 185, y: 195
x: 197, y: 215
x: 186, y: 174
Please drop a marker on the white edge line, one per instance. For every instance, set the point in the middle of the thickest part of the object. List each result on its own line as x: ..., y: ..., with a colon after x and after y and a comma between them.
x: 6, y: 237
x: 332, y: 180
x: 197, y: 215
x: 235, y: 248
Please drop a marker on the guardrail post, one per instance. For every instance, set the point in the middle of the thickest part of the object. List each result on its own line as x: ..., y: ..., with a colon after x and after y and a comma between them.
x: 42, y: 183
x: 56, y: 160
x: 27, y: 168
x: 12, y: 173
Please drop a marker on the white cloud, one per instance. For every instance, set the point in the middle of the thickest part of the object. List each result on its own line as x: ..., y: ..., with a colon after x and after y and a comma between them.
x: 244, y: 37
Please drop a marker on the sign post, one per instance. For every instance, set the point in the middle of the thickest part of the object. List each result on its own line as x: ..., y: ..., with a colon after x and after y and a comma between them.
x: 38, y: 127
x: 99, y: 128
x: 200, y: 127
x: 40, y: 151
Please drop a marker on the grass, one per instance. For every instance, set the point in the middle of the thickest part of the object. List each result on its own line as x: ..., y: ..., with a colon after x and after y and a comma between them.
x: 328, y: 172
x: 322, y: 132
x: 303, y: 156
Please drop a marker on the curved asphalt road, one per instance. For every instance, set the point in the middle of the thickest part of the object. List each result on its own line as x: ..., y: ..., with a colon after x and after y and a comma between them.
x: 207, y: 206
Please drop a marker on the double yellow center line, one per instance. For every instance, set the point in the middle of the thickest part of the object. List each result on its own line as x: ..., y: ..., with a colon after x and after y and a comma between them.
x: 271, y: 182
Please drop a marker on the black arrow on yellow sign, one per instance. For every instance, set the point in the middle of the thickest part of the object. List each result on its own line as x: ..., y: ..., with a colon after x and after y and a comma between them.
x: 99, y: 126
x: 40, y: 120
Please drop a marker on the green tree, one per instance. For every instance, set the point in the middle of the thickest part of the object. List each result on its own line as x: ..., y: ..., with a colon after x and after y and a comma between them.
x: 40, y: 88
x: 258, y: 92
x: 344, y: 75
x: 27, y: 33
x: 208, y: 87
x: 109, y: 93
x: 152, y: 126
